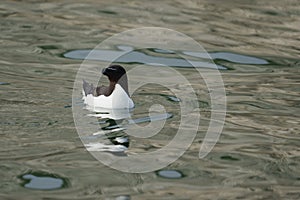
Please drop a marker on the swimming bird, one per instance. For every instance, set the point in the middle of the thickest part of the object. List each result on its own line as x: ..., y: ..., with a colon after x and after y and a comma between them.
x: 114, y: 96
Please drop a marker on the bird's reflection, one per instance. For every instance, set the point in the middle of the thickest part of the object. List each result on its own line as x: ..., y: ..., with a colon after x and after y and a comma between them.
x: 117, y: 137
x: 111, y: 122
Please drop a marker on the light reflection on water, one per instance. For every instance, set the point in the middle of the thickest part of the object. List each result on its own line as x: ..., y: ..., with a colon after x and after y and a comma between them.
x: 136, y: 56
x: 43, y: 181
x: 112, y: 124
x: 258, y: 153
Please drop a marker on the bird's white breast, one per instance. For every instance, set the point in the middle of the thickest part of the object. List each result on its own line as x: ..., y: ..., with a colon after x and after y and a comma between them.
x: 117, y: 100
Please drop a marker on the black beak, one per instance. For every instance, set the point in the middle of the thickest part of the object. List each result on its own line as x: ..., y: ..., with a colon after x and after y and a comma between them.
x: 104, y: 71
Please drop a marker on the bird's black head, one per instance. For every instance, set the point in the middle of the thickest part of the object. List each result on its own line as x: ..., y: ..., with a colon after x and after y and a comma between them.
x: 114, y: 72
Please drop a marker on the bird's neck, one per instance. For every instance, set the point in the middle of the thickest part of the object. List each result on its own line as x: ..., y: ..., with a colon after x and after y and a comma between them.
x: 124, y: 83
x: 111, y: 88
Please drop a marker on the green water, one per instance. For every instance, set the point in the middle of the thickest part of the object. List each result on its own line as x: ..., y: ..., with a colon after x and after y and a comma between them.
x: 257, y: 156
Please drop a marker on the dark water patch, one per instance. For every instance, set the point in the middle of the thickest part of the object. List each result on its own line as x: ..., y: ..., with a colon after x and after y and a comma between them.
x: 230, y: 57
x: 4, y: 83
x: 43, y: 72
x: 48, y: 47
x: 230, y: 93
x: 229, y: 158
x: 271, y: 12
x: 108, y: 12
x: 170, y: 174
x: 238, y: 58
x: 52, y: 123
x: 26, y: 26
x: 43, y: 181
x: 168, y: 97
x: 7, y: 14
x: 138, y: 57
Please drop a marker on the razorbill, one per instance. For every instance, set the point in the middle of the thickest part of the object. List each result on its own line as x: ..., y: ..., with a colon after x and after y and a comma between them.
x: 114, y: 96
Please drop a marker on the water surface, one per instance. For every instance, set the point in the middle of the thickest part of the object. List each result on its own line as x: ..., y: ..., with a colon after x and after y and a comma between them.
x: 257, y: 156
